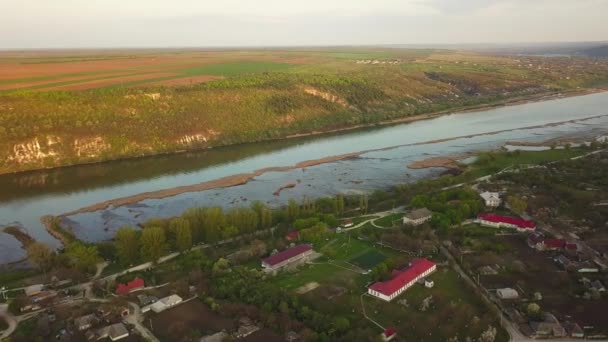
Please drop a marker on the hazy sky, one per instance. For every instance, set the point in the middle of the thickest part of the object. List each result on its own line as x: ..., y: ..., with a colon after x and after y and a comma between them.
x: 159, y: 23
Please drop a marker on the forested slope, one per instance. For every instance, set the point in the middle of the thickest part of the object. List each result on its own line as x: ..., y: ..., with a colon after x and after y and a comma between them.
x: 57, y: 128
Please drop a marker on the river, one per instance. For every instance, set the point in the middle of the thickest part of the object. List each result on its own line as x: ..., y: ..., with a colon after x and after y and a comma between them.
x: 24, y: 198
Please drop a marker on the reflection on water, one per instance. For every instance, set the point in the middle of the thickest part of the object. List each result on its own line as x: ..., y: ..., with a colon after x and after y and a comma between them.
x: 26, y: 197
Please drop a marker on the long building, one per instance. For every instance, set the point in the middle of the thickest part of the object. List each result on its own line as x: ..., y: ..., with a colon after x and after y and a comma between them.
x: 288, y: 257
x: 499, y: 221
x: 402, y: 280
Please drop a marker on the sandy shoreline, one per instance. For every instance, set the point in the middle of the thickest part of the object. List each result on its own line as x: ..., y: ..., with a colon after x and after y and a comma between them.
x: 448, y: 162
x: 243, y: 178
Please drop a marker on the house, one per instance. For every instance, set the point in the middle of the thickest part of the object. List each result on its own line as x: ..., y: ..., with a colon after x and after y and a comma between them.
x: 389, y: 334
x: 146, y: 300
x: 587, y: 267
x: 33, y: 290
x: 165, y: 303
x: 491, y: 199
x: 598, y: 286
x: 507, y: 293
x: 574, y: 330
x: 428, y: 283
x: 85, y: 322
x: 500, y: 221
x: 293, y: 236
x: 347, y: 223
x: 553, y: 244
x: 565, y: 263
x: 115, y: 332
x: 217, y: 337
x: 417, y: 217
x: 402, y: 280
x: 289, y: 257
x: 246, y: 327
x: 292, y: 336
x: 133, y: 285
x: 535, y: 240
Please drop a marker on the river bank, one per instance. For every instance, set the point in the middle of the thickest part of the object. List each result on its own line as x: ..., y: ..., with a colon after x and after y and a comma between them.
x: 519, y: 100
x: 244, y: 178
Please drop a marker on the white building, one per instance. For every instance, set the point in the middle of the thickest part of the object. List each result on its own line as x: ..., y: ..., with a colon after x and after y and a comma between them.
x: 491, y: 199
x: 402, y: 280
x: 507, y: 293
x: 166, y: 303
x: 417, y: 217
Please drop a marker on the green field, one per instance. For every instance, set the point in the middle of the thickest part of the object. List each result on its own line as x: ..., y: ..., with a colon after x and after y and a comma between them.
x: 368, y: 260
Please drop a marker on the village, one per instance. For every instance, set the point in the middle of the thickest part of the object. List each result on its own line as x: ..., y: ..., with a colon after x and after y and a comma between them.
x: 487, y: 260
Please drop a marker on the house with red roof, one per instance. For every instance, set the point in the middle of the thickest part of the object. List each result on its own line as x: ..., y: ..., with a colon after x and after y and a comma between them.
x: 500, y: 221
x: 133, y: 285
x: 289, y: 257
x: 293, y: 236
x: 389, y: 334
x: 402, y: 279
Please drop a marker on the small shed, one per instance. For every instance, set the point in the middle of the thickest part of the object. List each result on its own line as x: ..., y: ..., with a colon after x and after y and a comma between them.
x: 507, y: 293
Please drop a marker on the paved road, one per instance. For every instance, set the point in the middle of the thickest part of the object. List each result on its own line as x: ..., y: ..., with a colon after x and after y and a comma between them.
x: 10, y: 320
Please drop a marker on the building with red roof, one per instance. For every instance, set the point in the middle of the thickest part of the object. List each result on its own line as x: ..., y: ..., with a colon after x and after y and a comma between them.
x: 290, y: 256
x: 291, y: 236
x: 133, y: 285
x: 402, y: 280
x: 389, y: 334
x: 500, y: 221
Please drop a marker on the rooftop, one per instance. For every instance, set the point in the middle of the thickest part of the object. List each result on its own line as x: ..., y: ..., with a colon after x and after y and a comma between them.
x: 417, y: 267
x: 418, y: 214
x: 130, y: 286
x: 495, y: 218
x: 286, y: 254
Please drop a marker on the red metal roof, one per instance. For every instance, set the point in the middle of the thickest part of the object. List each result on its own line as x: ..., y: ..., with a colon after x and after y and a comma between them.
x: 521, y: 223
x: 130, y: 286
x: 555, y: 243
x: 417, y: 267
x: 390, y: 332
x: 293, y: 235
x: 286, y: 254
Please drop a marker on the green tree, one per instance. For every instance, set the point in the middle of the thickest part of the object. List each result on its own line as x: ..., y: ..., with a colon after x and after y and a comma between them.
x: 41, y: 255
x: 293, y: 210
x: 517, y: 204
x: 83, y: 257
x: 153, y: 243
x: 127, y: 246
x: 182, y: 234
x: 342, y: 324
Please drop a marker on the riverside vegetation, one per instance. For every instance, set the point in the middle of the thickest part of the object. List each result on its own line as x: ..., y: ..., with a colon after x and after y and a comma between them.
x: 257, y: 96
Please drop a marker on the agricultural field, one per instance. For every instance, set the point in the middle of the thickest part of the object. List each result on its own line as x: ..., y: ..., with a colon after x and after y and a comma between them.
x: 119, y: 103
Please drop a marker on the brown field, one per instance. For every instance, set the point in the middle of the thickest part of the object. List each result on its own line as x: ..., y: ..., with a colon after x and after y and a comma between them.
x: 183, y: 81
x: 62, y: 70
x: 177, y: 324
x: 109, y: 82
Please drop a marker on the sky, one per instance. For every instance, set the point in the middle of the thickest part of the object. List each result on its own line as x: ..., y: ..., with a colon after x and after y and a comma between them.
x: 224, y: 23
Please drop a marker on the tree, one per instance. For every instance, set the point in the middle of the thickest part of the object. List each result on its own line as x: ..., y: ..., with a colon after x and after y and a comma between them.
x: 342, y: 324
x: 220, y: 266
x: 41, y: 255
x: 293, y: 210
x: 533, y: 310
x: 153, y: 243
x: 83, y: 257
x: 517, y: 204
x: 339, y: 204
x: 127, y: 246
x: 182, y: 234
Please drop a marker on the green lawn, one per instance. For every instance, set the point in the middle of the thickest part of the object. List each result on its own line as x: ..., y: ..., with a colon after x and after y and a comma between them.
x: 368, y: 260
x: 389, y: 221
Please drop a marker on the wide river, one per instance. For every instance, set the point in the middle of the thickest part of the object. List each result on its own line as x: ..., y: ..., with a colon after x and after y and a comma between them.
x: 24, y: 198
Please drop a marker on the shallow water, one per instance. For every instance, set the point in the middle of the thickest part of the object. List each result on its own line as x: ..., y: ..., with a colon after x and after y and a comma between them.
x: 25, y: 198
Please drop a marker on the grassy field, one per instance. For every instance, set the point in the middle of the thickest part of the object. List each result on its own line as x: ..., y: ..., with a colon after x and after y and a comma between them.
x: 117, y: 104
